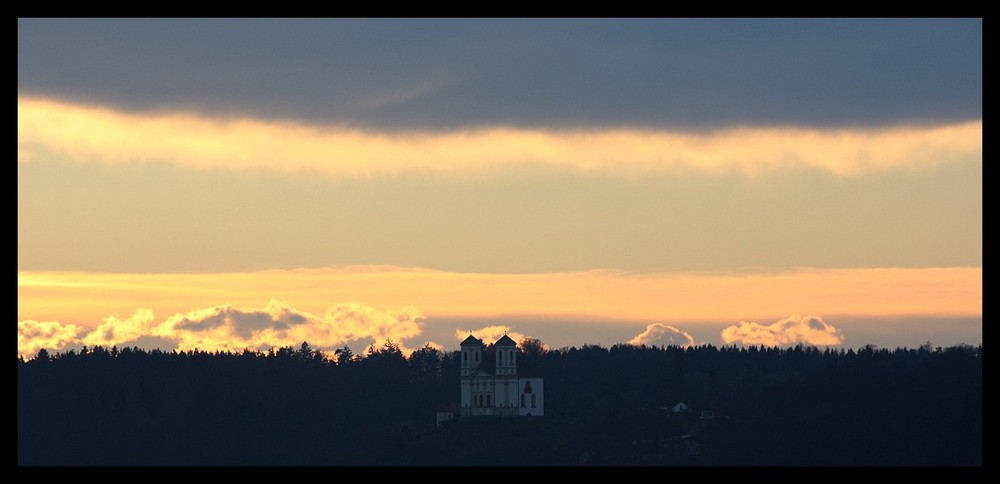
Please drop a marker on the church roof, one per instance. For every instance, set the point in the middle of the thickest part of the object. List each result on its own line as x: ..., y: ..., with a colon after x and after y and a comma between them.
x: 472, y: 341
x: 505, y: 341
x: 481, y: 370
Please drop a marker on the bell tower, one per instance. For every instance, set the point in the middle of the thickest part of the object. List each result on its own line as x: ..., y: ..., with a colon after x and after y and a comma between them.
x: 472, y: 354
x: 496, y: 390
x: 471, y: 358
x: 505, y: 381
x: 506, y: 356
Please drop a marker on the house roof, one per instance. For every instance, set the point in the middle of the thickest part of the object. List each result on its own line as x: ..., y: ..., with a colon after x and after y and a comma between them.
x: 472, y: 341
x: 505, y: 341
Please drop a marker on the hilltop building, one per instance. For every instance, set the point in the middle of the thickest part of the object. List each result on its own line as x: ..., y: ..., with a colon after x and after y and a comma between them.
x: 494, y: 388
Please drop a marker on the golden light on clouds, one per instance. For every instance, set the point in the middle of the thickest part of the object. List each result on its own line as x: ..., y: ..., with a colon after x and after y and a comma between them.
x: 95, y: 134
x: 659, y: 334
x: 795, y: 329
x: 85, y: 299
x: 229, y: 328
x: 51, y: 335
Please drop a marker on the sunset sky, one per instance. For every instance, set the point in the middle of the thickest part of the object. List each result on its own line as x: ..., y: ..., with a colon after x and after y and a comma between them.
x: 225, y: 184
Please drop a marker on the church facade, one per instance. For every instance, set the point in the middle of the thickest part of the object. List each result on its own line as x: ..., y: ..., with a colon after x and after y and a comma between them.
x: 494, y: 388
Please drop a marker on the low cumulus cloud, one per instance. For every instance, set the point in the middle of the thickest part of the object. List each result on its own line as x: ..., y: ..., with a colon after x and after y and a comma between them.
x: 231, y: 328
x: 658, y: 334
x: 361, y: 322
x: 809, y: 330
x: 116, y: 330
x: 226, y: 327
x: 51, y: 335
x: 278, y: 324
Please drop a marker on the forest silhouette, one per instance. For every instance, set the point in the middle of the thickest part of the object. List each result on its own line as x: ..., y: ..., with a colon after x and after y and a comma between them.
x: 604, y: 406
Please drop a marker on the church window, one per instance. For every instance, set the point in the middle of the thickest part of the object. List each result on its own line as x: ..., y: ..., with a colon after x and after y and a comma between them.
x: 511, y: 355
x: 488, y: 402
x: 522, y: 401
x: 465, y: 357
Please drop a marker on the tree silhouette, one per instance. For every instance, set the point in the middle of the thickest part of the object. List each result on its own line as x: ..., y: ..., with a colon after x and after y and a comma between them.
x: 344, y: 355
x: 288, y: 406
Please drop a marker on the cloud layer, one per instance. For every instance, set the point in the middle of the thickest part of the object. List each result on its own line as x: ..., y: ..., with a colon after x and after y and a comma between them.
x: 539, y: 72
x: 658, y: 334
x: 793, y: 330
x: 96, y: 134
x: 232, y: 328
x: 601, y: 294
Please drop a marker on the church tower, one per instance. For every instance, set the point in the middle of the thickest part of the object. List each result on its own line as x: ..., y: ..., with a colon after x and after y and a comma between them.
x: 472, y: 354
x: 494, y: 388
x: 505, y: 382
x: 506, y: 355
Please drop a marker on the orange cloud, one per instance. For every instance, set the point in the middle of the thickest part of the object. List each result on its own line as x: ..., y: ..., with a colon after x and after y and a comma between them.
x: 278, y: 324
x: 95, y: 134
x: 83, y: 298
x: 229, y: 328
x: 117, y: 330
x: 658, y: 334
x: 795, y: 329
x: 51, y: 335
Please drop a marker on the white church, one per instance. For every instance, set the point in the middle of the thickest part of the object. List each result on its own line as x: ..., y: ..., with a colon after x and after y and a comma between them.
x: 496, y: 389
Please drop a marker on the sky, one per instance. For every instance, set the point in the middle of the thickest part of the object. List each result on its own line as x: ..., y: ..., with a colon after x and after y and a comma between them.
x: 254, y: 183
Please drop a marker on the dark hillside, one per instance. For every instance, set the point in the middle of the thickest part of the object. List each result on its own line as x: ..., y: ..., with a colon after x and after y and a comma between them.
x: 603, y: 406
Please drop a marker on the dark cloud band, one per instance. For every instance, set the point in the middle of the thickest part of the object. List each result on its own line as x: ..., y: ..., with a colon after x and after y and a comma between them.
x: 456, y: 73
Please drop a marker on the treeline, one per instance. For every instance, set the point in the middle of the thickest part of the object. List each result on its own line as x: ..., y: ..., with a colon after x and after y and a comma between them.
x: 746, y: 406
